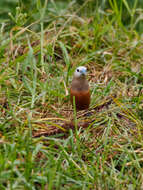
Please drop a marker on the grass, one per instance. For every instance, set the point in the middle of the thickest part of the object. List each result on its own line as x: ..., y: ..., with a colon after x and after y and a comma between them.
x: 44, y: 143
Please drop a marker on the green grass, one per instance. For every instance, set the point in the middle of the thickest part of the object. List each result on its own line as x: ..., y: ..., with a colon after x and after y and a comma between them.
x: 39, y: 148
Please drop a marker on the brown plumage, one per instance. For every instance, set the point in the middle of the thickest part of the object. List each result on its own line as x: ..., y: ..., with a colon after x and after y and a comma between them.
x: 80, y: 89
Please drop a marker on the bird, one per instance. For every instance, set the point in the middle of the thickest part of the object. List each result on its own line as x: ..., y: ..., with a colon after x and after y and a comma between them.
x: 80, y: 89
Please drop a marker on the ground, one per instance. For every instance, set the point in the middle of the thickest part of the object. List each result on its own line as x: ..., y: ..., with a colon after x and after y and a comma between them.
x: 45, y: 143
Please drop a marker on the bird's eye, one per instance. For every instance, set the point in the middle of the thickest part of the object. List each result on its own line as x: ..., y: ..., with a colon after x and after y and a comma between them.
x: 77, y: 70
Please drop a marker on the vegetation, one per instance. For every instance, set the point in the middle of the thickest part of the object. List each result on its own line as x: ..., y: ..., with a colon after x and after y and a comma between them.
x: 44, y: 143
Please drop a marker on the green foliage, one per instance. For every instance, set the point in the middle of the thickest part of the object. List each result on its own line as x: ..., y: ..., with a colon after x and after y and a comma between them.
x: 45, y: 143
x: 129, y: 12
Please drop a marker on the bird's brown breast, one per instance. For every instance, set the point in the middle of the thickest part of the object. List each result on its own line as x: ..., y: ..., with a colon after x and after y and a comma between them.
x: 82, y: 99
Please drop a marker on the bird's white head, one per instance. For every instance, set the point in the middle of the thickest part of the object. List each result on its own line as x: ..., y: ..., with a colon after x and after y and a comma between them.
x: 80, y: 71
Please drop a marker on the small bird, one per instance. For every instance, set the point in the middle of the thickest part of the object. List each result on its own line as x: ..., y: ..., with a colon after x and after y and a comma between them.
x: 80, y: 89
